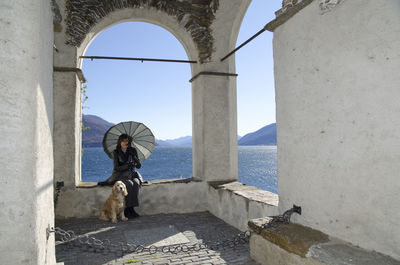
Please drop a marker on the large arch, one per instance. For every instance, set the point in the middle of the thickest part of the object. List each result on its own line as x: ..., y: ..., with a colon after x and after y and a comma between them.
x: 67, y: 88
x: 214, y: 114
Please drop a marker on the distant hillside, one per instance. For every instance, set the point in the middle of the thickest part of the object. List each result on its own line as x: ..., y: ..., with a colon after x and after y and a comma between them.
x: 182, y: 141
x: 93, y: 136
x: 162, y: 143
x: 264, y: 136
x: 97, y: 127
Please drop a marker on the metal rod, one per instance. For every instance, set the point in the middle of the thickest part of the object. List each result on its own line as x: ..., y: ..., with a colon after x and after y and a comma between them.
x: 136, y: 59
x: 244, y: 43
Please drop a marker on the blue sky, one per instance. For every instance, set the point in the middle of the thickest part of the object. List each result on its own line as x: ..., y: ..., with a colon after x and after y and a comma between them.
x: 159, y: 94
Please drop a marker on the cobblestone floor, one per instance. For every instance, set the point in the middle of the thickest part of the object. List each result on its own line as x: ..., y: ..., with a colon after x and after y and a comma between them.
x: 154, y: 229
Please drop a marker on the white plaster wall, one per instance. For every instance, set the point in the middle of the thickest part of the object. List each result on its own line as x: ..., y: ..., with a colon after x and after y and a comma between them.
x: 153, y: 199
x: 337, y: 94
x: 26, y: 121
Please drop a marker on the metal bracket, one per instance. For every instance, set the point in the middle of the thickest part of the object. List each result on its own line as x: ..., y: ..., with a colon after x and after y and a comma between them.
x: 48, y: 231
x: 282, y: 219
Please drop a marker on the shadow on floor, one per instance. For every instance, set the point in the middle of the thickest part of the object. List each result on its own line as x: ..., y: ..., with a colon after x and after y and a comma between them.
x: 154, y: 230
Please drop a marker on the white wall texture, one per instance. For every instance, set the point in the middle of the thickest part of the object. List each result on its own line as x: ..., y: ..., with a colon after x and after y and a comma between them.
x: 337, y: 95
x: 154, y: 199
x: 236, y: 203
x: 26, y: 122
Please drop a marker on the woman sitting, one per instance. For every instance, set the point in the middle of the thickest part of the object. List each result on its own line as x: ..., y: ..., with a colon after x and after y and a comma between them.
x: 125, y: 160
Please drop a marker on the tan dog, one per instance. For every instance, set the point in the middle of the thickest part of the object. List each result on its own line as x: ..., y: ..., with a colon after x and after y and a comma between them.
x: 115, y: 204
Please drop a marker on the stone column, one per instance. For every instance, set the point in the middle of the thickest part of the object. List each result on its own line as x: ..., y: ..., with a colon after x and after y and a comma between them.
x: 26, y: 129
x: 214, y: 100
x: 214, y: 127
x: 67, y: 107
x: 67, y: 126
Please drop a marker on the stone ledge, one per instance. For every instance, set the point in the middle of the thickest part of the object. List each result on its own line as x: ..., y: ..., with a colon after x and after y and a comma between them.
x: 77, y: 71
x: 248, y: 192
x: 169, y: 196
x: 295, y: 244
x: 286, y: 12
x: 292, y: 237
x: 84, y: 184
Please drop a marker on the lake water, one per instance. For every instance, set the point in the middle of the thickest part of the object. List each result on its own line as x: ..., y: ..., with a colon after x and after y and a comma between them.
x: 256, y: 165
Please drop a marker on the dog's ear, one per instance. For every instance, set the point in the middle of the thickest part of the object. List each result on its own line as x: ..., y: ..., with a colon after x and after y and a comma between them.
x: 125, y: 191
x: 115, y: 189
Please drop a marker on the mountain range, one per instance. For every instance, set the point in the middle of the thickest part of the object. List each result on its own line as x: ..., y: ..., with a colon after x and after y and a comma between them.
x: 264, y: 136
x: 95, y: 128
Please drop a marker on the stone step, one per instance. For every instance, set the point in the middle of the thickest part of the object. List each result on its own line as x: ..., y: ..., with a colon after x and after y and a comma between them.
x: 293, y: 244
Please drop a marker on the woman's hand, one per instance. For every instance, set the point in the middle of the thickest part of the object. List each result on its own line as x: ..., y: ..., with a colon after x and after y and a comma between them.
x: 131, y: 165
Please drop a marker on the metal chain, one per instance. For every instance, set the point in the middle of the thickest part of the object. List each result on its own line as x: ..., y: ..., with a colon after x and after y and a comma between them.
x: 105, y: 246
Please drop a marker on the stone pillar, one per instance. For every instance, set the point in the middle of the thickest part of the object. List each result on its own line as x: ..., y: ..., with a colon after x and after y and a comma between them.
x: 214, y: 127
x: 214, y: 100
x: 67, y: 126
x: 67, y: 107
x: 26, y: 129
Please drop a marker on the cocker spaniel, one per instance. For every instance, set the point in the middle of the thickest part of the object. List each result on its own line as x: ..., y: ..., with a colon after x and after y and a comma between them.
x: 115, y: 204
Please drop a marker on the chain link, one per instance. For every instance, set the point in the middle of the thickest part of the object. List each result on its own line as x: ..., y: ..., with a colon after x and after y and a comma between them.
x: 70, y: 239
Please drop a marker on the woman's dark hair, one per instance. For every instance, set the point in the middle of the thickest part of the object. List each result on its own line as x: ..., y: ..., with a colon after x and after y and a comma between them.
x: 123, y: 137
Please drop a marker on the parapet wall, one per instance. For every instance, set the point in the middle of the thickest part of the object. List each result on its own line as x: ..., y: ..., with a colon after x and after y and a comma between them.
x: 234, y: 202
x: 169, y: 196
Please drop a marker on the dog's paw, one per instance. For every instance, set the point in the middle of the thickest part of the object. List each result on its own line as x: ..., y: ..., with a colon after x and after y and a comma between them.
x: 114, y: 221
x: 124, y: 219
x: 103, y: 217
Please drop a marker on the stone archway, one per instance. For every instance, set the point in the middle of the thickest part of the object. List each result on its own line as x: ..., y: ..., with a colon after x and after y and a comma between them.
x: 189, y: 23
x: 206, y: 29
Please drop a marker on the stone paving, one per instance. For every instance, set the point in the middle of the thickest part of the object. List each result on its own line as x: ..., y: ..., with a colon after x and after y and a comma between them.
x: 158, y: 230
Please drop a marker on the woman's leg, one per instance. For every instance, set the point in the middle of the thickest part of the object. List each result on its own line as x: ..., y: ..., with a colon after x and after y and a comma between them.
x: 132, y: 199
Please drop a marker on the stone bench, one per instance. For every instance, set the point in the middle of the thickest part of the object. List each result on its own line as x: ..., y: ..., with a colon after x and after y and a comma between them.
x: 294, y: 244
